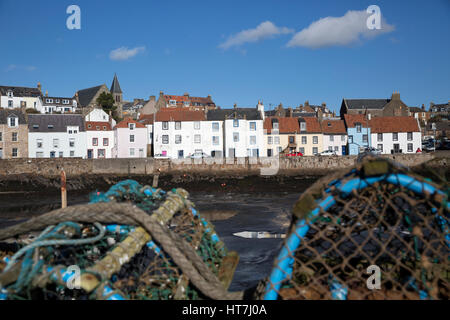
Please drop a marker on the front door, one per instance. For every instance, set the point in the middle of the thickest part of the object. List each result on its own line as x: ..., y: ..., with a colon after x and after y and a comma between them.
x: 89, y: 155
x: 180, y: 154
x: 396, y: 148
x: 344, y: 150
x: 231, y: 152
x: 1, y: 153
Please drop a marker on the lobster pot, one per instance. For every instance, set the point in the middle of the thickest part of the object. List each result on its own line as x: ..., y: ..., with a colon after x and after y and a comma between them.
x: 375, y: 232
x: 88, y: 258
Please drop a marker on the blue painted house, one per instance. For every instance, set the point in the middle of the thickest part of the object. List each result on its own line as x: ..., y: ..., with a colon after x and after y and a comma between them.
x: 358, y: 132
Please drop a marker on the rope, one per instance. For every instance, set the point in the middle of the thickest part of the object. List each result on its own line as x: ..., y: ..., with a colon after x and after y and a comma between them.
x: 123, y: 213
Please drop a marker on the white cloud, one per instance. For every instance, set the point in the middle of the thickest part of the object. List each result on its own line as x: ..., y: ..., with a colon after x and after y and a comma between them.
x: 123, y: 53
x: 338, y: 31
x: 264, y: 30
x: 13, y: 67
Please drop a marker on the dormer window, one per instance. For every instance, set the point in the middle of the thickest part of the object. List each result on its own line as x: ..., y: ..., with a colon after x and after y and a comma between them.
x: 50, y: 126
x: 65, y: 101
x: 173, y: 102
x: 186, y: 103
x: 35, y: 126
x: 57, y: 101
x: 358, y: 127
x: 49, y: 100
x: 131, y: 126
x: 10, y: 94
x: 302, y: 126
x: 13, y: 122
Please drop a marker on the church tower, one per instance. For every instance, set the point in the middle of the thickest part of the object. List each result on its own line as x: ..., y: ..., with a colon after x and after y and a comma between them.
x: 116, y: 91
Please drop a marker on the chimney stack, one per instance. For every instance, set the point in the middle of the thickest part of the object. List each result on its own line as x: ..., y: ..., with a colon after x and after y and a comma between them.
x: 235, y: 106
x: 152, y: 98
x: 186, y: 95
x: 395, y: 95
x: 39, y: 87
x: 306, y: 103
x: 161, y: 93
x: 289, y: 112
x: 423, y: 107
x: 46, y: 93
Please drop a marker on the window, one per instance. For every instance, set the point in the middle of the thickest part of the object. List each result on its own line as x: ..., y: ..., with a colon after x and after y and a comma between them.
x: 95, y: 141
x: 302, y: 126
x: 215, y: 140
x: 57, y: 101
x: 276, y: 140
x: 197, y: 125
x: 49, y: 100
x: 72, y: 142
x: 380, y: 147
x: 132, y: 152
x: 252, y: 139
x: 350, y: 139
x: 52, y: 154
x: 39, y: 154
x: 291, y: 139
x: 55, y: 143
x: 236, y: 136
x: 39, y: 143
x: 304, y: 140
x: 330, y: 148
x: 12, y: 122
x: 105, y: 141
x: 35, y: 126
x: 173, y: 102
x: 215, y: 126
x: 269, y: 140
x: 101, y: 153
x: 50, y: 126
x: 1, y: 136
x: 65, y: 101
x: 14, y: 152
x: 23, y: 104
x: 410, y: 136
x: 365, y: 138
x: 14, y: 137
x: 358, y: 127
x: 315, y: 139
x: 89, y: 126
x: 177, y: 125
x: 61, y: 154
x: 380, y: 137
x: 197, y: 138
x: 279, y: 149
x: 235, y: 123
x: 177, y: 138
x: 336, y: 149
x: 10, y: 103
x: 275, y: 126
x: 315, y: 150
x: 165, y: 139
x: 395, y: 136
x: 342, y: 138
x: 269, y: 152
x: 332, y: 138
x: 410, y: 147
x: 131, y: 137
x: 131, y: 126
x: 186, y: 103
x: 10, y: 94
x: 165, y: 125
x: 252, y: 126
x: 98, y: 128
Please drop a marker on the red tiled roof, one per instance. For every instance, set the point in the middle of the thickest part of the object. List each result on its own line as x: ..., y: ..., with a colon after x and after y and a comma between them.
x: 351, y: 119
x: 92, y: 126
x: 179, y: 114
x: 393, y: 124
x: 285, y: 124
x: 146, y: 118
x: 333, y: 127
x: 312, y: 125
x: 124, y: 123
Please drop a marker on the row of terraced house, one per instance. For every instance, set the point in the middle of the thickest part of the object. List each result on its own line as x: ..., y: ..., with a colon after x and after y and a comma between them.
x: 177, y: 127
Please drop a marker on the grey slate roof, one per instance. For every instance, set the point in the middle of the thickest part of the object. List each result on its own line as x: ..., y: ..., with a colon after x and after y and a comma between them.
x: 240, y: 113
x: 415, y: 109
x: 21, y: 91
x: 59, y: 122
x: 5, y: 113
x: 85, y: 96
x: 115, y: 87
x: 366, y: 103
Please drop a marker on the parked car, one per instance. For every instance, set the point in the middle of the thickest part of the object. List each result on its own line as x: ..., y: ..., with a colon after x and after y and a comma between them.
x: 326, y: 153
x: 294, y: 154
x: 372, y: 150
x: 160, y: 156
x: 429, y: 147
x: 198, y: 155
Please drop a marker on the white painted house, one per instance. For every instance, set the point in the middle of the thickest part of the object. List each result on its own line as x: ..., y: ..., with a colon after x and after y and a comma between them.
x: 243, y: 133
x: 334, y: 136
x: 99, y: 140
x: 395, y: 134
x: 58, y: 104
x: 99, y: 115
x: 56, y: 136
x: 130, y: 139
x: 20, y: 97
x: 180, y: 132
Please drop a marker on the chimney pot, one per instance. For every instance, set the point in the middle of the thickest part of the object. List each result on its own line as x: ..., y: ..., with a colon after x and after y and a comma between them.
x: 161, y: 93
x: 152, y: 98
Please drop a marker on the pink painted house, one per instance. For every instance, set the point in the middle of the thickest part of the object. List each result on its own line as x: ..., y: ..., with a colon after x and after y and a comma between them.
x: 130, y: 139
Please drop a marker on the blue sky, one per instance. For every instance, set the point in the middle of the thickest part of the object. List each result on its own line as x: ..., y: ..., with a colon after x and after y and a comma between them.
x: 201, y: 47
